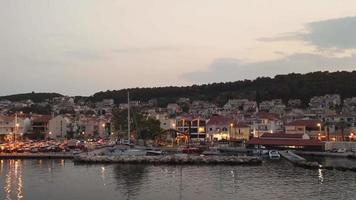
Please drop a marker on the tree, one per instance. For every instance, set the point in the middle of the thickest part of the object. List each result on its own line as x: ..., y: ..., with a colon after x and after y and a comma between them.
x: 146, y: 128
x: 342, y: 126
x: 119, y: 121
x: 149, y: 129
x: 327, y: 129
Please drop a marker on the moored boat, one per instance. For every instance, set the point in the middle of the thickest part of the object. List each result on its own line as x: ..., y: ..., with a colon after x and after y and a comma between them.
x: 274, y: 155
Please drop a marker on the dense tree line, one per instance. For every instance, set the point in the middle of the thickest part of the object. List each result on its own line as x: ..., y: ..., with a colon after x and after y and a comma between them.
x: 35, y: 97
x: 302, y: 86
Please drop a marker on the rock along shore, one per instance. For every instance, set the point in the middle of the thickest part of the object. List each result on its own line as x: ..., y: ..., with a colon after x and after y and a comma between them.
x: 171, y: 159
x: 316, y: 165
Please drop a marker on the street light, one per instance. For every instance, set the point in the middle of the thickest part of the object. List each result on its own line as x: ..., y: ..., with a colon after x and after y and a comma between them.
x: 319, y: 125
x: 231, y: 125
x: 17, y: 125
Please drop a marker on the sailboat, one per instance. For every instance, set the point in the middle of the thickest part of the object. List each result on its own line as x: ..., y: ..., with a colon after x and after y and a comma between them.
x: 127, y: 151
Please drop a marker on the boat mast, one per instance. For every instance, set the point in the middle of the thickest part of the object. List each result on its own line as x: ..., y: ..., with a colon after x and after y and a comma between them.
x: 128, y: 117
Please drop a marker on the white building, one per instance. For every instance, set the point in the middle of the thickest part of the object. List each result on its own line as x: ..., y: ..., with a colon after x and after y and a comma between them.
x: 58, y: 126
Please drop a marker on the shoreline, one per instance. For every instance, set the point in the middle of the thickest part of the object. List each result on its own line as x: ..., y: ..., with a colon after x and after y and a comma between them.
x: 172, y: 159
x: 326, y: 154
x: 36, y: 156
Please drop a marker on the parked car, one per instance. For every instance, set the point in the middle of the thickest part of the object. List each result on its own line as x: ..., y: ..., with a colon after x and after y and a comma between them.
x: 34, y: 150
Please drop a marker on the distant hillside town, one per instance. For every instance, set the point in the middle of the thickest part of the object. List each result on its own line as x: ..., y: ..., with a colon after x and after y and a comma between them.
x: 325, y: 118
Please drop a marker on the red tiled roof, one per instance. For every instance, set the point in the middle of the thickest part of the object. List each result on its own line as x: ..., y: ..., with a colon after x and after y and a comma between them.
x: 242, y: 125
x: 282, y: 136
x: 220, y: 120
x: 41, y: 118
x: 305, y: 122
x: 284, y: 142
x: 265, y: 115
x: 189, y: 117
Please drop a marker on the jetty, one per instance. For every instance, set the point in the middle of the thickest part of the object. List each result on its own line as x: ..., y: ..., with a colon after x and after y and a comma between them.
x: 171, y: 159
x: 292, y: 157
x: 302, y: 162
x: 326, y: 154
x: 36, y: 156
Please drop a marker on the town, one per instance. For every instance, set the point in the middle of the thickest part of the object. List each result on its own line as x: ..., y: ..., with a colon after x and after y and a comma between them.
x: 326, y: 123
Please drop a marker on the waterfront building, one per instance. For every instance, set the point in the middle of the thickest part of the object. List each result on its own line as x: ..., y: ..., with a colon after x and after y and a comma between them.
x: 58, y: 126
x: 92, y: 126
x: 266, y: 122
x: 314, y: 128
x: 220, y: 128
x: 286, y: 141
x: 165, y: 121
x: 194, y: 125
x: 11, y: 127
x: 241, y: 131
x: 39, y: 124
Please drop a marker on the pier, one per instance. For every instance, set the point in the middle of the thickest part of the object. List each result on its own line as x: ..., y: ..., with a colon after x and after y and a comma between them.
x: 36, y: 156
x: 326, y: 154
x: 172, y: 159
x: 292, y: 157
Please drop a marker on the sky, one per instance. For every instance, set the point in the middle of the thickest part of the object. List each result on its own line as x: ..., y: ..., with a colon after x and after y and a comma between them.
x: 84, y: 46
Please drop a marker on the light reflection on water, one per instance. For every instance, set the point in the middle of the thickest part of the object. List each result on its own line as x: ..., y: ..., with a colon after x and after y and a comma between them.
x: 13, y: 186
x: 61, y: 179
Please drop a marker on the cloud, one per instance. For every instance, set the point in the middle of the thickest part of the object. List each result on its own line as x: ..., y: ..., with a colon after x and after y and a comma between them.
x: 327, y: 34
x: 230, y: 69
x: 147, y: 49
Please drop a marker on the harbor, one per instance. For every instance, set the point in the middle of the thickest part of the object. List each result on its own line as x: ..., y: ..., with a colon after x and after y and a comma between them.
x: 30, y: 177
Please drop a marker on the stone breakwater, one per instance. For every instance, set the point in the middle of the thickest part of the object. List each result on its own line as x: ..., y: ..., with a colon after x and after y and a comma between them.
x: 316, y: 165
x: 171, y: 159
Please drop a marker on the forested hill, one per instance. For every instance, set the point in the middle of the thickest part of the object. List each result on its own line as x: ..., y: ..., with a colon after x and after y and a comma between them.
x: 302, y: 86
x: 36, y: 97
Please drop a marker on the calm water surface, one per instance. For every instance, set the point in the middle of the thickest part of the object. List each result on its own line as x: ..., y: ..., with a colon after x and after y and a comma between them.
x: 61, y: 179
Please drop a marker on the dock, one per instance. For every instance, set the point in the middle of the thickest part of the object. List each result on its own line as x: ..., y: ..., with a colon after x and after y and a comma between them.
x: 292, y: 157
x: 171, y: 159
x: 36, y: 156
x: 326, y: 154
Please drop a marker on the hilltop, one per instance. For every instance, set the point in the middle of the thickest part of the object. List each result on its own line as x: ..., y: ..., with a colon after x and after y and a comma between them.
x: 289, y: 86
x: 36, y: 97
x: 294, y: 85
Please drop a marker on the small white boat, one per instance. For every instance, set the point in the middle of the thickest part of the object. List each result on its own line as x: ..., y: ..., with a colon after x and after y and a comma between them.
x: 274, y: 155
x: 154, y: 152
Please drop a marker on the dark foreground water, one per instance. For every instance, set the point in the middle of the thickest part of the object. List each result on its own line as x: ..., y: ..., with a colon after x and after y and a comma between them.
x: 61, y: 179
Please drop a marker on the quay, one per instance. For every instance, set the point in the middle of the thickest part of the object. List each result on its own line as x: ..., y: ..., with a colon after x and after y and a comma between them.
x: 302, y: 162
x: 171, y: 159
x: 326, y: 154
x: 36, y: 156
x: 298, y: 160
x: 292, y: 157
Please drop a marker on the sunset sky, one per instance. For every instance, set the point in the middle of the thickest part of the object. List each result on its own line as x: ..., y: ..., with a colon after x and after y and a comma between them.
x: 79, y: 47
